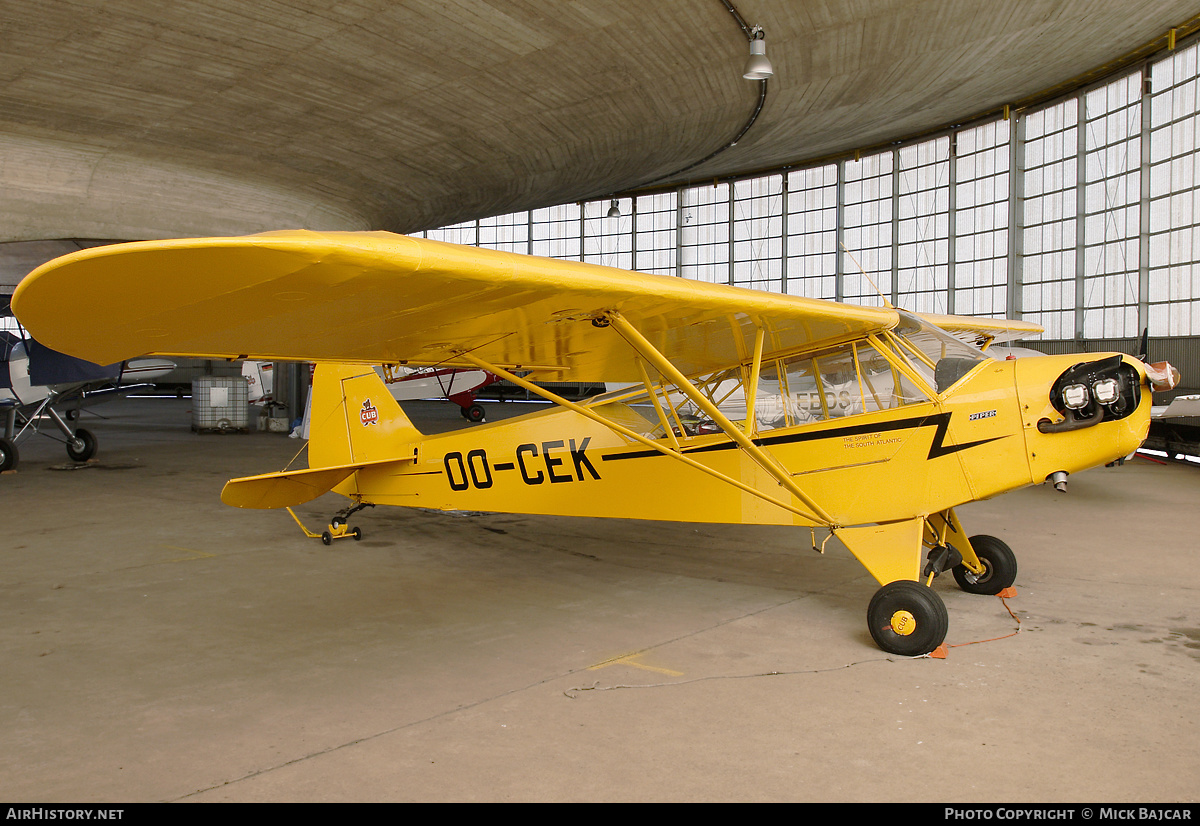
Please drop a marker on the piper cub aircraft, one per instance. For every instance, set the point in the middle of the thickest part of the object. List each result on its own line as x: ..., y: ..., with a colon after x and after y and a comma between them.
x: 870, y: 423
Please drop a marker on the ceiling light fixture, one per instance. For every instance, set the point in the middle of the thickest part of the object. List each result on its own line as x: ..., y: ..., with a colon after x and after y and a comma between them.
x: 758, y: 67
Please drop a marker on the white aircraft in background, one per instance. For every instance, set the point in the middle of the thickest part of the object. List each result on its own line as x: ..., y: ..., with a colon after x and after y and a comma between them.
x: 458, y: 385
x: 40, y: 385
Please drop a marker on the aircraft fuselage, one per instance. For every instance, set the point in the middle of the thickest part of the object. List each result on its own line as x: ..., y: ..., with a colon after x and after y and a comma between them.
x: 977, y: 440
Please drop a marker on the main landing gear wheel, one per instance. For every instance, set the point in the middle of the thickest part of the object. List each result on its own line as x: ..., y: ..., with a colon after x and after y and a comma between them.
x: 999, y: 567
x: 82, y: 447
x: 907, y: 618
x: 473, y: 413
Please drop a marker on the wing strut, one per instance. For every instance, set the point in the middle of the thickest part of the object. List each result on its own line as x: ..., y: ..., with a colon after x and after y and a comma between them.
x: 765, y: 460
x: 814, y: 515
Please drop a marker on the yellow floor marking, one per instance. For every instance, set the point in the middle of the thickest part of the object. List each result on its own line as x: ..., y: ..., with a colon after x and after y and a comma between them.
x: 194, y: 554
x: 630, y: 660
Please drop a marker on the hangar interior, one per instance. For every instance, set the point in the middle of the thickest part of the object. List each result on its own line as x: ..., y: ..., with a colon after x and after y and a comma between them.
x: 1025, y: 159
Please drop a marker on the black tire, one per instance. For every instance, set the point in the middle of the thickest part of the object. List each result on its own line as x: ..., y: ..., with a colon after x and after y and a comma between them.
x: 357, y: 534
x: 474, y: 413
x: 327, y: 538
x: 8, y: 455
x: 83, y: 446
x: 1000, y: 567
x: 907, y: 618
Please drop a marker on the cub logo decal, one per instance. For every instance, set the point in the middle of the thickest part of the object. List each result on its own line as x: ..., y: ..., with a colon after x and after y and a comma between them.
x: 368, y: 415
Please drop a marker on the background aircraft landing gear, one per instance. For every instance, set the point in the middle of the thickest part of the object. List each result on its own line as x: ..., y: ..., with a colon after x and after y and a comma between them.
x: 8, y: 455
x: 82, y: 446
x: 1000, y: 567
x: 907, y: 618
x: 473, y: 412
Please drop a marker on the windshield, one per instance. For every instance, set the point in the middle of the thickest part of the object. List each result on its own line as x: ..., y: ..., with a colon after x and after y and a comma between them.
x: 946, y: 358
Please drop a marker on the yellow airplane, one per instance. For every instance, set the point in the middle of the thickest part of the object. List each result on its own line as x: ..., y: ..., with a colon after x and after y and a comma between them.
x: 740, y: 407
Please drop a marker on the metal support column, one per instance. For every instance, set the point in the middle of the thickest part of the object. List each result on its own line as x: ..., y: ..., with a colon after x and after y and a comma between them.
x: 1014, y: 301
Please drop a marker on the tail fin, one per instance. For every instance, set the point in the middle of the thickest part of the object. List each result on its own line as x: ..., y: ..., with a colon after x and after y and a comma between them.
x: 353, y: 418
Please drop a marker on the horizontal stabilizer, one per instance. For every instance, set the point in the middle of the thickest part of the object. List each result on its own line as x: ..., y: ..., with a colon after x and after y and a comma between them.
x: 292, y: 487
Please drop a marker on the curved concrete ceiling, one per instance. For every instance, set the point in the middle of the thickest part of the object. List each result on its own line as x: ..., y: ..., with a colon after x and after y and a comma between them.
x: 132, y: 119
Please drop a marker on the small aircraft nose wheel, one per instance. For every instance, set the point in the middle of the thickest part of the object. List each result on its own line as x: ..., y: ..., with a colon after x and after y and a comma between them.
x: 907, y: 618
x: 999, y: 564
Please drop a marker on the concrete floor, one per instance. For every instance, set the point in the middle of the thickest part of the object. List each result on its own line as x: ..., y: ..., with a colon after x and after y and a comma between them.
x: 159, y: 646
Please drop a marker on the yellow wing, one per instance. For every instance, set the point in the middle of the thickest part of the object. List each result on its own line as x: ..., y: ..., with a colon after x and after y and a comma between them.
x: 377, y: 298
x: 982, y: 332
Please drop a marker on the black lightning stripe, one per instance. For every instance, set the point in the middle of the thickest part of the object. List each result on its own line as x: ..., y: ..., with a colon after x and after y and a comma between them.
x: 939, y: 448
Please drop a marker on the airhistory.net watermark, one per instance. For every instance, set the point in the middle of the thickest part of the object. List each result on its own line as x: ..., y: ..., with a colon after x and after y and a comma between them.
x: 63, y: 813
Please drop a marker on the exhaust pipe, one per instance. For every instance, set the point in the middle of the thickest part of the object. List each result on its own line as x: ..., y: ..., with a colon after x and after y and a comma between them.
x: 1059, y: 480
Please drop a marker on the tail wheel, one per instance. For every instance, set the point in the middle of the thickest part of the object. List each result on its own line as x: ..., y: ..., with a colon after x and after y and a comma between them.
x: 999, y: 567
x: 907, y: 618
x: 82, y: 447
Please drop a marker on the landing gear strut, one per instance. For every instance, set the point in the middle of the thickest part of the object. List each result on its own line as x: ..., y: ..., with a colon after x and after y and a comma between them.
x: 906, y: 616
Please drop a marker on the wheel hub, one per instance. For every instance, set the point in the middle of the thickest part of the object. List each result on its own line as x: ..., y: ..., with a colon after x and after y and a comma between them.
x: 984, y: 576
x: 903, y: 623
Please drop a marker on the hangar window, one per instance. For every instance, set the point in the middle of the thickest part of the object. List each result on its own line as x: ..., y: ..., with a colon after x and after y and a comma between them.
x: 868, y: 216
x: 1174, y: 253
x: 758, y: 233
x: 655, y: 235
x: 704, y: 233
x: 556, y: 231
x: 923, y: 226
x: 505, y: 232
x: 979, y: 279
x: 812, y: 215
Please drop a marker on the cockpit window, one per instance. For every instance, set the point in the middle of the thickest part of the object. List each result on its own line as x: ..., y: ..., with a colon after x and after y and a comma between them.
x: 854, y: 379
x: 941, y: 358
x: 883, y: 372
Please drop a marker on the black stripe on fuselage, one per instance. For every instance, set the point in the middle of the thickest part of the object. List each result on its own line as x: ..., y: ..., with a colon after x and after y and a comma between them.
x: 939, y: 420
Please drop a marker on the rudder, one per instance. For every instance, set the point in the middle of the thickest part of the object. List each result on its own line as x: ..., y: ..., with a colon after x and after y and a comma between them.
x: 353, y: 418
